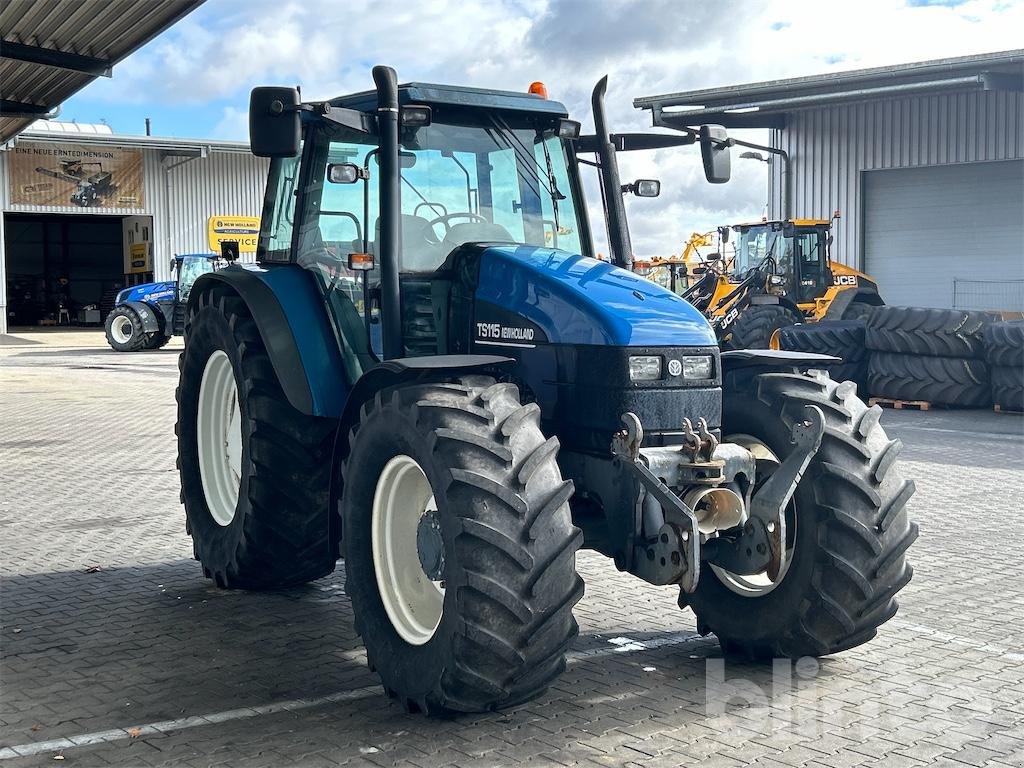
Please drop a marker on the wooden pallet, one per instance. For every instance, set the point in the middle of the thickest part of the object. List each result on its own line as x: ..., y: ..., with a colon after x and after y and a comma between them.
x: 1000, y: 409
x: 899, y: 405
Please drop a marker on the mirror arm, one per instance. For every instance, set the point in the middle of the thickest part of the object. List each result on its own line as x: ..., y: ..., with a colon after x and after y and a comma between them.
x: 347, y: 118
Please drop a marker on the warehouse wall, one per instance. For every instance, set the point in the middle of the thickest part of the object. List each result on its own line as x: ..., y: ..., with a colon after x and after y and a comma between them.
x: 830, y: 147
x: 222, y: 183
x: 179, y: 193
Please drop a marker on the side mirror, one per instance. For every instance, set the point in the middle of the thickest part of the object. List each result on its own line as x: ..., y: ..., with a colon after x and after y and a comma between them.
x: 714, y: 151
x: 344, y: 173
x: 723, y: 232
x: 274, y: 125
x: 645, y: 187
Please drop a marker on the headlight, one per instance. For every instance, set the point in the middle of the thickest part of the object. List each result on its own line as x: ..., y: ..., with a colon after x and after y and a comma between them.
x: 645, y: 367
x: 697, y: 367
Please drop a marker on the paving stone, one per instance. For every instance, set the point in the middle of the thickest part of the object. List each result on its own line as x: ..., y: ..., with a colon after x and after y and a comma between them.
x: 89, y: 480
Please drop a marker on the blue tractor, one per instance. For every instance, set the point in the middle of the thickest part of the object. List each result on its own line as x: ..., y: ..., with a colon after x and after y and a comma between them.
x: 431, y: 377
x: 146, y: 316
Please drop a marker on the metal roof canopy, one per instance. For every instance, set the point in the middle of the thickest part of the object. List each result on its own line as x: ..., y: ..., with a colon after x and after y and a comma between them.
x: 51, y: 49
x: 766, y: 104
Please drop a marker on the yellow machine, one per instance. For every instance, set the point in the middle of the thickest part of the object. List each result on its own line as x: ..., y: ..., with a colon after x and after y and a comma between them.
x: 780, y: 273
x: 676, y: 272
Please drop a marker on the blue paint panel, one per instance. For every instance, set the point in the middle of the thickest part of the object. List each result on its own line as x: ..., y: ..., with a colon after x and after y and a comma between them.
x: 577, y: 300
x: 149, y: 292
x: 303, y: 306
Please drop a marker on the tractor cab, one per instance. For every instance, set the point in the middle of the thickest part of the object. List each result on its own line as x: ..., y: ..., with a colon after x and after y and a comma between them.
x: 473, y: 167
x: 794, y: 254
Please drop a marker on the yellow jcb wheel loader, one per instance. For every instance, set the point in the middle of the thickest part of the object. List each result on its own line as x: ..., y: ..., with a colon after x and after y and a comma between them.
x: 781, y: 274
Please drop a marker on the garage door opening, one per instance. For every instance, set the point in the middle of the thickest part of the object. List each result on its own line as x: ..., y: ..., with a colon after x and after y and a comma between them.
x: 948, y: 236
x: 67, y: 270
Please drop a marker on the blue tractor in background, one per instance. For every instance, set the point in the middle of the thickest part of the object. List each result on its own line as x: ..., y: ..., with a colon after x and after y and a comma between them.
x: 431, y: 377
x: 146, y: 316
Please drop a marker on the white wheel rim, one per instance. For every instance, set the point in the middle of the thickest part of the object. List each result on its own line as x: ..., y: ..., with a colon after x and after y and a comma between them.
x: 759, y: 584
x: 412, y: 601
x: 219, y: 431
x: 121, y: 329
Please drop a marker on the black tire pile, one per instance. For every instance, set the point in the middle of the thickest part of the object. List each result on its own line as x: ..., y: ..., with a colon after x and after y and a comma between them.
x: 933, y: 355
x: 1004, y: 352
x: 839, y: 338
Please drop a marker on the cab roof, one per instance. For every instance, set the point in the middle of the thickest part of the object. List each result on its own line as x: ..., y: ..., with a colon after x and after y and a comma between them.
x: 432, y: 94
x: 795, y: 222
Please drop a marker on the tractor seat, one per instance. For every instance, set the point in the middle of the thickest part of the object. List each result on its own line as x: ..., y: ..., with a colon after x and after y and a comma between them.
x: 474, y: 232
x: 421, y: 250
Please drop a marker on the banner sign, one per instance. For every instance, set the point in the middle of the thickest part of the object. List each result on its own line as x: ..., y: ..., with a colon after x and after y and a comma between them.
x: 75, y: 175
x: 245, y: 230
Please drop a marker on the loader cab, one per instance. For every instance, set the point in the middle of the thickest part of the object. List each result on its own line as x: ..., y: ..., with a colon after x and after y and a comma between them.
x: 473, y: 166
x: 795, y: 254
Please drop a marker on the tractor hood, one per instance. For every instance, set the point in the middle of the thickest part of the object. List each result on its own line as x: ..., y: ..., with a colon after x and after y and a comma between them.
x: 578, y: 300
x: 149, y: 292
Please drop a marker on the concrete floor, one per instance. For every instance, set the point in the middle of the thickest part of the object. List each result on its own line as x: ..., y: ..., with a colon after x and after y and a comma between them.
x: 115, y: 651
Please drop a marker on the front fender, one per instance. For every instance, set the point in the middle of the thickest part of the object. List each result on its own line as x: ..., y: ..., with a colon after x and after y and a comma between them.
x: 147, y: 314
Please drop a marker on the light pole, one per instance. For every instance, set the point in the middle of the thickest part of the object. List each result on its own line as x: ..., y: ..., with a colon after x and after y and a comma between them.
x: 784, y: 173
x: 758, y: 156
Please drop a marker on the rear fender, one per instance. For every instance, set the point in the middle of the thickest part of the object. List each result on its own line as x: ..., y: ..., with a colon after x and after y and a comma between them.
x: 290, y: 314
x: 147, y: 314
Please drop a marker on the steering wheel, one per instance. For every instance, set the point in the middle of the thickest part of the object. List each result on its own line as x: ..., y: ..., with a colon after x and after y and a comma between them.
x: 444, y: 219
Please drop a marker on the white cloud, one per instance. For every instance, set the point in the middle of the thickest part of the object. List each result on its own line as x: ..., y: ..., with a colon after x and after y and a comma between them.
x: 647, y: 47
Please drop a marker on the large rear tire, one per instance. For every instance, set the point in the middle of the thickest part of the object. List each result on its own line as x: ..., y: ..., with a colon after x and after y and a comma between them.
x: 254, y: 471
x: 476, y: 613
x: 847, y: 524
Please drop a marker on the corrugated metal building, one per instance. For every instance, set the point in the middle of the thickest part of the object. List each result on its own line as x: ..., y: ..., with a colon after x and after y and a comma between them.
x: 85, y: 211
x: 924, y: 162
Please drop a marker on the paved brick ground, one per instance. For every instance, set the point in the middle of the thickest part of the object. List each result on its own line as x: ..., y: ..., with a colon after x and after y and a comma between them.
x: 88, y: 480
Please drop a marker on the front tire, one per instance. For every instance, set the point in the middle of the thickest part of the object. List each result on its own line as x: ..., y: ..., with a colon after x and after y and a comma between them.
x: 755, y: 325
x: 124, y: 331
x: 847, y: 554
x: 254, y: 471
x: 499, y: 549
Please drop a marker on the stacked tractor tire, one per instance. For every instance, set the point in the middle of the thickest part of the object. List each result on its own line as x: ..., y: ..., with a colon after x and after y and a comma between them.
x: 931, y: 355
x: 939, y: 356
x: 1004, y: 352
x: 839, y: 338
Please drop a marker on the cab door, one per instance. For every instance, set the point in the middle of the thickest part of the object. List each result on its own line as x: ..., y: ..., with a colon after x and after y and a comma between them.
x: 812, y: 274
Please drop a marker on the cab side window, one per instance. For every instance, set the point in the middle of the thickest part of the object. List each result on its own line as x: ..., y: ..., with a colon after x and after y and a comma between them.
x: 279, y: 210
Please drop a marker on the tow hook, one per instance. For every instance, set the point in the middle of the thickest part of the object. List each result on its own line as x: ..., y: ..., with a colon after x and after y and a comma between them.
x: 761, y: 545
x: 673, y: 556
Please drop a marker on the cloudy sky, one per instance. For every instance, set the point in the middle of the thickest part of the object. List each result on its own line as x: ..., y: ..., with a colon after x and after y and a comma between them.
x: 194, y: 79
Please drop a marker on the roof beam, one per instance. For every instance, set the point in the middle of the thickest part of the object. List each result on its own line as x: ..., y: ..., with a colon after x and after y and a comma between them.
x: 9, y: 108
x: 680, y: 120
x: 50, y: 57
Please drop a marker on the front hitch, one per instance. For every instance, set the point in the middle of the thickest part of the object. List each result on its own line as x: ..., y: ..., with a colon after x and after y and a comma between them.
x: 672, y: 556
x: 673, y: 553
x: 760, y: 546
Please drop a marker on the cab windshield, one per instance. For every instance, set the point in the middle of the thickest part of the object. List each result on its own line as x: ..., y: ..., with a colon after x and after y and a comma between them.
x: 755, y: 243
x: 483, y: 181
x: 752, y: 245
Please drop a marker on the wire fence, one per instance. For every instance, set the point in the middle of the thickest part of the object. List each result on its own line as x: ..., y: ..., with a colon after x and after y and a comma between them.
x: 1006, y: 295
